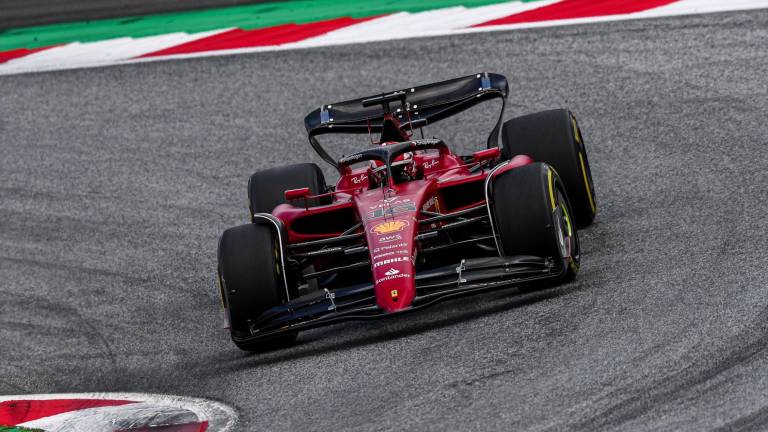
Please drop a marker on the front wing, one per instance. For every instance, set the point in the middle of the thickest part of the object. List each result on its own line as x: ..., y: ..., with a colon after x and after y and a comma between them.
x: 358, y: 302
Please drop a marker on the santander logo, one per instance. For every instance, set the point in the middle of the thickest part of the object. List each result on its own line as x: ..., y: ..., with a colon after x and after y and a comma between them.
x: 391, y: 272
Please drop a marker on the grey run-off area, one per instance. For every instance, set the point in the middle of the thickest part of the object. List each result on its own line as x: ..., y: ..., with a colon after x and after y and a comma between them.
x: 116, y: 183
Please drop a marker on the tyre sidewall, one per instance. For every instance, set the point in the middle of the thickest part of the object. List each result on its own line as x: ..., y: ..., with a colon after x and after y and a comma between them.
x: 524, y: 213
x: 554, y: 137
x: 250, y: 274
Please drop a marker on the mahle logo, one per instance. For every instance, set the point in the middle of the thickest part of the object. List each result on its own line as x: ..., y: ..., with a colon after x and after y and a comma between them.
x: 390, y: 261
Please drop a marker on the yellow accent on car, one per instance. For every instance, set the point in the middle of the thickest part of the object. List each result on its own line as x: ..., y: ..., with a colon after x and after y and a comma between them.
x: 551, y: 192
x: 586, y: 184
x: 389, y: 227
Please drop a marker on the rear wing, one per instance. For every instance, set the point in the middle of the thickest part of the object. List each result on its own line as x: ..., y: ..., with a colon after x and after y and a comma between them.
x: 413, y: 107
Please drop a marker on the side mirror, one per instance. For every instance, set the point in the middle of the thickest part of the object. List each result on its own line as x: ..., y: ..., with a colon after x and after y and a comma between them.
x: 293, y: 194
x: 491, y: 153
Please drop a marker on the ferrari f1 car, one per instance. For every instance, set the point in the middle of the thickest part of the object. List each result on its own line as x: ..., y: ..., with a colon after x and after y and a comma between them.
x: 409, y: 222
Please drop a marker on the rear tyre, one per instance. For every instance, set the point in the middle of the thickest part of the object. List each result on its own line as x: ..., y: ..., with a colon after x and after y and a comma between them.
x: 554, y: 137
x: 251, y: 281
x: 532, y: 216
x: 266, y: 189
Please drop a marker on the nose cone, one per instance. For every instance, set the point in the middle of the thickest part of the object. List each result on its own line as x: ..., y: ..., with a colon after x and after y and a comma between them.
x: 391, y: 248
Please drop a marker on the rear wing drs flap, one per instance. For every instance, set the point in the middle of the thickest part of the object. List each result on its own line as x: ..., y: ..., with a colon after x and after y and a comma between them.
x: 414, y: 107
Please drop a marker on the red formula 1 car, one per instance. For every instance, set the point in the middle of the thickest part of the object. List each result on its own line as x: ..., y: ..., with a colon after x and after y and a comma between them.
x: 408, y: 222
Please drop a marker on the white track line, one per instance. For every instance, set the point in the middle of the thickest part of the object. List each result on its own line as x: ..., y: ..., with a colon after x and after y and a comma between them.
x: 412, y: 25
x: 102, y: 53
x: 687, y: 7
x: 681, y: 7
x: 220, y: 417
x: 107, y: 419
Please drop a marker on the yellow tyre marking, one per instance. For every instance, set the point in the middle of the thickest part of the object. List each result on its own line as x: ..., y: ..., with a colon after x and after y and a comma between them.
x: 221, y: 290
x: 576, y: 135
x: 586, y: 184
x: 551, y: 193
x: 567, y: 221
x: 278, y: 270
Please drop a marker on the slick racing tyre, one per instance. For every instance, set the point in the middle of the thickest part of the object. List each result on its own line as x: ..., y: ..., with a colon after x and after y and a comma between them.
x: 251, y: 281
x: 554, y: 137
x: 266, y: 189
x: 532, y: 216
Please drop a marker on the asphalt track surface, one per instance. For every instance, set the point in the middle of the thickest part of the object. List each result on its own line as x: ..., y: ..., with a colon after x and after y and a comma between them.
x: 116, y: 183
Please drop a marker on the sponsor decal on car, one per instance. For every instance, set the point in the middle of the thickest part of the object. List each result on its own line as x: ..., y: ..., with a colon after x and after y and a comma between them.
x: 392, y: 272
x: 323, y: 251
x: 350, y: 159
x: 358, y: 179
x: 390, y: 261
x: 429, y: 204
x: 391, y: 207
x: 430, y: 164
x: 390, y: 238
x: 389, y: 202
x: 389, y: 227
x: 390, y: 253
x: 391, y: 211
x: 382, y: 255
x: 397, y: 276
x: 389, y: 247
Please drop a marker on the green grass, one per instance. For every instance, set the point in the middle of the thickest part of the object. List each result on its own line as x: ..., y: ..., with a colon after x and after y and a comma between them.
x: 18, y: 429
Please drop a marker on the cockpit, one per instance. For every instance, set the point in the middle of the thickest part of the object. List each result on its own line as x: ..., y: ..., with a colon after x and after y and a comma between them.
x: 394, y: 163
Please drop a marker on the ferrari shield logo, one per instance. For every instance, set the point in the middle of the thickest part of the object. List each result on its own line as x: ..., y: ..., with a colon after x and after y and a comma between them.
x: 389, y: 227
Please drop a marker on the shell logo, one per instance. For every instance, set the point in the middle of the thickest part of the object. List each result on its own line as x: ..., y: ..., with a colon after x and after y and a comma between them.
x: 389, y: 227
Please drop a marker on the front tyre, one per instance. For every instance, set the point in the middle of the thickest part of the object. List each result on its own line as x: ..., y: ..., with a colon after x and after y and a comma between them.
x: 532, y: 216
x: 554, y: 137
x: 251, y: 280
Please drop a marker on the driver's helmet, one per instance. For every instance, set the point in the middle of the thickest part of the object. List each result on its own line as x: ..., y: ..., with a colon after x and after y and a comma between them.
x: 403, y: 169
